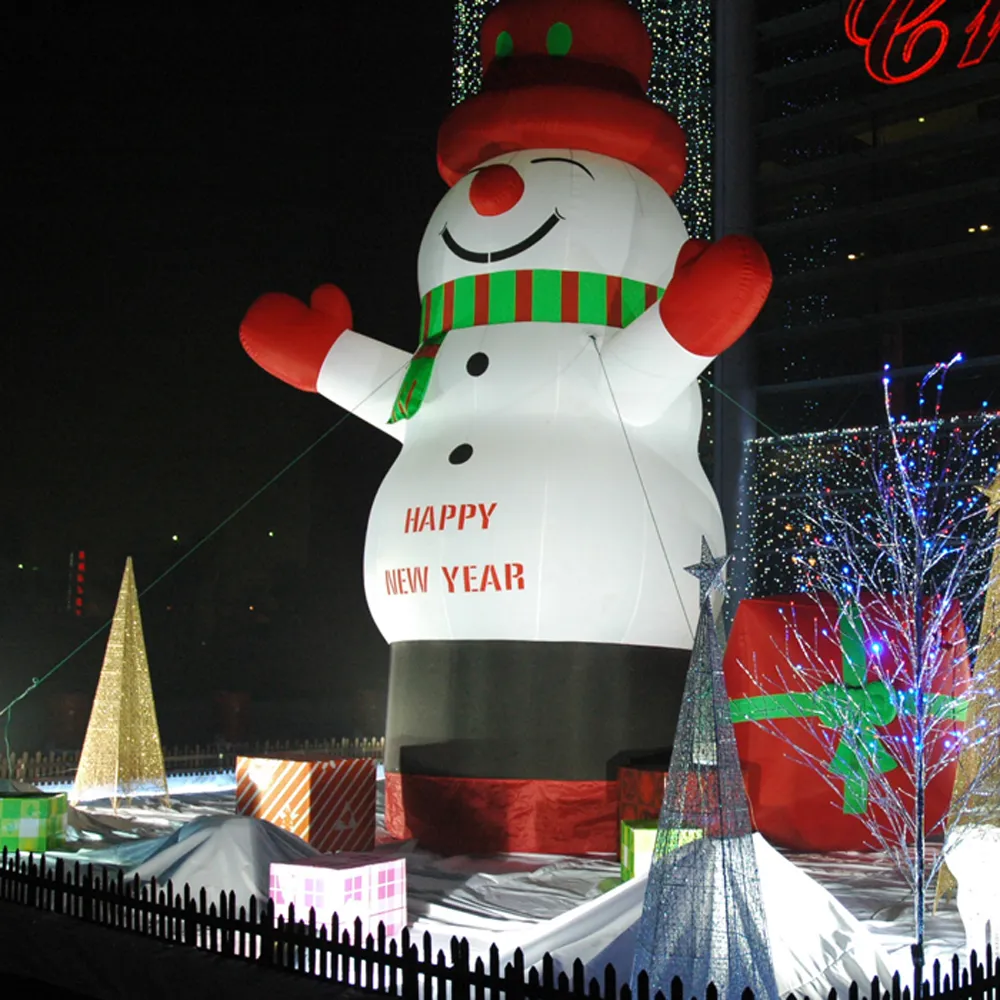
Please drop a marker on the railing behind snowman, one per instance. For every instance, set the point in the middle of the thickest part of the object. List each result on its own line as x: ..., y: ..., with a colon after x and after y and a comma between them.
x: 61, y: 766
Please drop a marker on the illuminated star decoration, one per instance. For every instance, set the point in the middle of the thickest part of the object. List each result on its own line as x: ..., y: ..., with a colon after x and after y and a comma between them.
x: 992, y: 494
x: 709, y: 572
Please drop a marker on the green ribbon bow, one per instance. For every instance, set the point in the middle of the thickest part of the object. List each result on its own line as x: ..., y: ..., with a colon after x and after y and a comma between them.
x: 856, y: 708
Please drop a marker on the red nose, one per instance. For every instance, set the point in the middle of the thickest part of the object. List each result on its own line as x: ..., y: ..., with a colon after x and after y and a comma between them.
x: 496, y: 189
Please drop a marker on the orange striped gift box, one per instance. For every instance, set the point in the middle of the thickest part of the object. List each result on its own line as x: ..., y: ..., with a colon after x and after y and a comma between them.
x: 327, y: 801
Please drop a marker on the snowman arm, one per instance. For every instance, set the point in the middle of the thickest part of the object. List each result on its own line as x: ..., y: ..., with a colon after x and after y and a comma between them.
x: 716, y: 292
x: 313, y: 348
x: 363, y: 375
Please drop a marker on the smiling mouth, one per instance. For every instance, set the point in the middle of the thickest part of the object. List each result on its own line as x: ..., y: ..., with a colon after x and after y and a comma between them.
x: 480, y: 257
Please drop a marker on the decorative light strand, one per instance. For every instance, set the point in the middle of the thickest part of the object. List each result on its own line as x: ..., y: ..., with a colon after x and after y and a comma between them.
x: 777, y: 537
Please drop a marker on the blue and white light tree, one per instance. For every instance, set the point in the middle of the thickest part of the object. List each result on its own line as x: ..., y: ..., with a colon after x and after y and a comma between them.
x: 901, y: 568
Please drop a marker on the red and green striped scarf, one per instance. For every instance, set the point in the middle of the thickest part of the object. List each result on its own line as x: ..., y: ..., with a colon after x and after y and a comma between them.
x: 516, y: 297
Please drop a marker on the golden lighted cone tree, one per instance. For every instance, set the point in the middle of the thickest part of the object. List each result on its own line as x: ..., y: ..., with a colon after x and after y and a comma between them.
x: 122, y: 755
x: 976, y: 796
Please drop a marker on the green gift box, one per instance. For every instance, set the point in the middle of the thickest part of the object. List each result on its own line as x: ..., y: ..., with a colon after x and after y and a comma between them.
x: 639, y: 840
x: 32, y: 823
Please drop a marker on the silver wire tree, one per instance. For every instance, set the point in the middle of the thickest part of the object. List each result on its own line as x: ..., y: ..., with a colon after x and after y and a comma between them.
x: 703, y: 918
x: 893, y: 579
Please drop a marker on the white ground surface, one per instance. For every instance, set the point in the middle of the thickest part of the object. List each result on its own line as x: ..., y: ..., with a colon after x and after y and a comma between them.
x: 556, y: 904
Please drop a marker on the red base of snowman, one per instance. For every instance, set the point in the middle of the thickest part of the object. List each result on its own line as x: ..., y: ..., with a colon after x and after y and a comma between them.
x: 516, y: 746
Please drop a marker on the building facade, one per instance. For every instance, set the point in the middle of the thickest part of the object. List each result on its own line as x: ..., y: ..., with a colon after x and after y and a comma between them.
x: 872, y: 183
x: 878, y: 202
x: 879, y: 206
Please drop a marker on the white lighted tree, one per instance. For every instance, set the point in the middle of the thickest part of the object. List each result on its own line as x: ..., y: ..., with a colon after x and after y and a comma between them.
x: 895, y: 579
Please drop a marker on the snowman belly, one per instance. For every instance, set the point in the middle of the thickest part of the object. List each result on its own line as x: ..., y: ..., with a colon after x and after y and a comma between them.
x: 541, y: 532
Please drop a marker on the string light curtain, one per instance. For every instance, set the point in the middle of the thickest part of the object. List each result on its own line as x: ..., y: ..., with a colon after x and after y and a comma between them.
x: 778, y: 534
x: 681, y: 82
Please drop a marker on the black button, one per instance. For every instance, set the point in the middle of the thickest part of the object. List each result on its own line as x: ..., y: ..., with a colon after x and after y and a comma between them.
x: 477, y: 364
x: 460, y: 454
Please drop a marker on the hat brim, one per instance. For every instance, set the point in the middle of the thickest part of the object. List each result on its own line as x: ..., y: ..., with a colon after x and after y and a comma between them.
x: 561, y: 116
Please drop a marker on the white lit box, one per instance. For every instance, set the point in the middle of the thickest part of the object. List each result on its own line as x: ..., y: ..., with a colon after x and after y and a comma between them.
x: 371, y: 887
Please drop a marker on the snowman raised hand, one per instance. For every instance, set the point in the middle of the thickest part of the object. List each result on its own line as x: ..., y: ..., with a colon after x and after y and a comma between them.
x: 524, y: 552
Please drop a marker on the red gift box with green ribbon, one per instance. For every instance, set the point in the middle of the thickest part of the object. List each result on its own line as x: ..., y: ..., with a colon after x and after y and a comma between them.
x: 800, y: 675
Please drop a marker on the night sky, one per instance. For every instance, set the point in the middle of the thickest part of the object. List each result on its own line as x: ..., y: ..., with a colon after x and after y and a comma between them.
x: 159, y: 175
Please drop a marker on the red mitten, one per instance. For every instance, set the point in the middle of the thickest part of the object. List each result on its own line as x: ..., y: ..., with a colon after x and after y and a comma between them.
x: 290, y: 339
x: 716, y: 293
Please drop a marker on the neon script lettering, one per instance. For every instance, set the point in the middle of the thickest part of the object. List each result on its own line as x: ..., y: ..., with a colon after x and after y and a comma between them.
x: 905, y: 23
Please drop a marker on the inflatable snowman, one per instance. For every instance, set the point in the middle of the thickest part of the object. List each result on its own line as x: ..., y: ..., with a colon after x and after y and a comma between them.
x: 525, y: 553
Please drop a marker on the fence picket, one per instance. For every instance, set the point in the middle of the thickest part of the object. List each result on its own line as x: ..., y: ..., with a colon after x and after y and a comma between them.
x: 548, y: 977
x: 336, y: 950
x: 380, y: 949
x: 371, y: 964
x: 642, y: 986
x: 611, y: 982
x: 579, y: 986
x: 411, y: 973
x: 426, y: 967
x: 248, y: 916
x: 563, y: 988
x: 461, y: 969
x: 355, y: 953
x: 533, y: 987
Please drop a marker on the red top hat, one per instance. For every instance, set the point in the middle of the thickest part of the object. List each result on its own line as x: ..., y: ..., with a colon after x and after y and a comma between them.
x: 564, y: 74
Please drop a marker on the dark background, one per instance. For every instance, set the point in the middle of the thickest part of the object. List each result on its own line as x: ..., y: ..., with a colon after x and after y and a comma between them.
x: 159, y: 173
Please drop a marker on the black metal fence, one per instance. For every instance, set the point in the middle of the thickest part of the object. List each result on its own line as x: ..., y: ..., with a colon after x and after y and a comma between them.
x: 61, y: 766
x: 404, y: 968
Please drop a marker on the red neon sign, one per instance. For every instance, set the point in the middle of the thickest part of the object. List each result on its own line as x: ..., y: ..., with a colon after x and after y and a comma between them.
x: 899, y: 25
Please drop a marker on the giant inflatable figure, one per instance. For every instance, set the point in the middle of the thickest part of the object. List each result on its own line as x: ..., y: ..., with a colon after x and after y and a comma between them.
x: 525, y: 553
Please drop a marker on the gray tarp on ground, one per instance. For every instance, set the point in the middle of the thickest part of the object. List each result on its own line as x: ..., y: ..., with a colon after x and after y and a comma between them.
x: 816, y: 944
x: 219, y: 853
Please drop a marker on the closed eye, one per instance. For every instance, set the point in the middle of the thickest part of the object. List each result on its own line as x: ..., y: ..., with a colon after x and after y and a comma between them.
x: 563, y: 159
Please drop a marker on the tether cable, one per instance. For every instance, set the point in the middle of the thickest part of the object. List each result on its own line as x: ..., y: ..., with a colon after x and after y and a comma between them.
x: 642, y: 484
x: 7, y: 711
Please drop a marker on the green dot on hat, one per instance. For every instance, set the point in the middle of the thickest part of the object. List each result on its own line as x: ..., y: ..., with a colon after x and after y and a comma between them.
x: 505, y: 44
x: 559, y: 39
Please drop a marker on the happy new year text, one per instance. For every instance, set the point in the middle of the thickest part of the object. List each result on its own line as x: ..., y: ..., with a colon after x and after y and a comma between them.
x: 468, y: 579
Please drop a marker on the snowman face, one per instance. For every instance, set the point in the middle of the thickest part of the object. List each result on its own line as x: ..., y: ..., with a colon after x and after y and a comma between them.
x: 557, y: 209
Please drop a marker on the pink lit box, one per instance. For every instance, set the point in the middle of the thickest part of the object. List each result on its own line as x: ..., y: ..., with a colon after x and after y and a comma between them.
x: 352, y: 885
